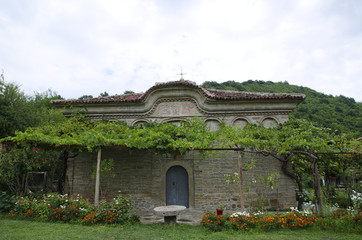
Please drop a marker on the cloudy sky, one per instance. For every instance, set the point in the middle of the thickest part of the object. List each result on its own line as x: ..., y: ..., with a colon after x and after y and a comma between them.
x: 78, y: 47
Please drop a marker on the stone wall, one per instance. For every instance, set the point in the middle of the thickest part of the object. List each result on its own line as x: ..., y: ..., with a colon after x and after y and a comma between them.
x: 141, y: 174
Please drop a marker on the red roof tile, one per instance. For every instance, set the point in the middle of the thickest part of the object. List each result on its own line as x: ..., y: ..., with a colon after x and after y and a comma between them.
x: 208, y: 93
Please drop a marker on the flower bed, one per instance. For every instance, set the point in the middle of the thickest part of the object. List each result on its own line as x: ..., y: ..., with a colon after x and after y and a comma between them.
x: 65, y: 208
x: 343, y: 220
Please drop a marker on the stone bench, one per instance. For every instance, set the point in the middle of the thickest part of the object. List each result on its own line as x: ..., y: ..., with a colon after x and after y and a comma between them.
x: 169, y: 213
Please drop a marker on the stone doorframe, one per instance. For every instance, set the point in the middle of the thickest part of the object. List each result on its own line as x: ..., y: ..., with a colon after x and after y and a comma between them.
x: 187, y: 165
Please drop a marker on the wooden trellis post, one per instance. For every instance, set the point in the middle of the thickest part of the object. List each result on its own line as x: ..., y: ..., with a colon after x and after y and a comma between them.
x: 98, y: 177
x: 241, y: 182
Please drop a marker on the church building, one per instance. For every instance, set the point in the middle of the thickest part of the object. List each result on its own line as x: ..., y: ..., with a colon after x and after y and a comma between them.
x: 190, y: 180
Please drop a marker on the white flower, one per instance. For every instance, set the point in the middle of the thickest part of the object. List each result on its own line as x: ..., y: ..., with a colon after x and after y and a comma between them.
x: 238, y: 214
x: 258, y: 213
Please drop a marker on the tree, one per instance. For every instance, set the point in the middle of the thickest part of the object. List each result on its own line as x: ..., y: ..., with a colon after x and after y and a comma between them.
x: 105, y: 94
x: 85, y: 97
x: 18, y: 112
x: 15, y: 163
x: 296, y: 144
x: 299, y: 143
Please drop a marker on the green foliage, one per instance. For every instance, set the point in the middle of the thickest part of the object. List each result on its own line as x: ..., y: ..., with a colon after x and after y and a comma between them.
x: 65, y: 208
x: 213, y: 221
x: 343, y: 219
x: 18, y: 111
x: 295, y: 136
x: 85, y: 97
x: 117, y: 211
x: 105, y: 94
x: 78, y: 132
x: 340, y: 113
x: 16, y: 162
x: 340, y: 220
x: 50, y: 207
x: 301, y: 135
x: 294, y: 141
x: 6, y: 202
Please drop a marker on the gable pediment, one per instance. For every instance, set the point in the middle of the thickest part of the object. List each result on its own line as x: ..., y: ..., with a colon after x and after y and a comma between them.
x: 182, y: 99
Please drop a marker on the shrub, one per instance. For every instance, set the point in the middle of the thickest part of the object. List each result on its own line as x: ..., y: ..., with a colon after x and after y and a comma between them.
x: 65, y: 213
x: 358, y: 217
x: 65, y: 208
x: 345, y: 220
x: 117, y: 211
x: 6, y: 202
x: 213, y: 221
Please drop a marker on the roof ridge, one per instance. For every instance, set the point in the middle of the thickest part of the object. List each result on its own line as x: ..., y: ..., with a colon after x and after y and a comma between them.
x: 217, y: 94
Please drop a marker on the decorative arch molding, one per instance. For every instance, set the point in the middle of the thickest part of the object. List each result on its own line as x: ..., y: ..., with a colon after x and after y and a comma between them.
x: 140, y: 121
x: 212, y: 118
x: 187, y: 165
x: 216, y: 114
x: 173, y: 120
x: 268, y: 121
x: 213, y: 123
x: 240, y: 122
x: 185, y: 97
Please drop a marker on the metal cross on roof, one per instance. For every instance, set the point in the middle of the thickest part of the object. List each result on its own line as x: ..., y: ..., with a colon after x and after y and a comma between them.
x: 182, y: 75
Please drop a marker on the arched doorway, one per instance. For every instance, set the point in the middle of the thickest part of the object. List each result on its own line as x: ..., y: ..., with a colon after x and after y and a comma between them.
x: 177, y: 186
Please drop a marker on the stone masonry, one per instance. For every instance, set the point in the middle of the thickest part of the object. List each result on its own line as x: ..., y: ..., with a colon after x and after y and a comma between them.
x: 142, y: 174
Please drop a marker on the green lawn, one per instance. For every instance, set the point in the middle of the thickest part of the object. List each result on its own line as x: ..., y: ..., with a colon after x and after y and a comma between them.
x: 27, y: 229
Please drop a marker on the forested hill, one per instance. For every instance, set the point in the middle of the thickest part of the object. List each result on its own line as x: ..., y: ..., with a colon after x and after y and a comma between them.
x: 339, y: 113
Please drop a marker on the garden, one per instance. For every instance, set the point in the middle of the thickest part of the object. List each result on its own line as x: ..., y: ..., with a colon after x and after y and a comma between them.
x: 117, y: 216
x: 338, y: 220
x: 56, y: 216
x: 56, y: 207
x: 37, y: 141
x: 311, y: 156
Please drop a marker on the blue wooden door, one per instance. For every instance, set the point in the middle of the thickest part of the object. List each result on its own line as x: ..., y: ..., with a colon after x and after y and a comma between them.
x: 177, y: 186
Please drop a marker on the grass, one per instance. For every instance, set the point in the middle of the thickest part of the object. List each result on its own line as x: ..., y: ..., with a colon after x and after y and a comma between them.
x: 26, y: 229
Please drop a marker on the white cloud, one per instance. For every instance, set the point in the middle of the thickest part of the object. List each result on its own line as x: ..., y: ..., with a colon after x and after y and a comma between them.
x: 88, y: 47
